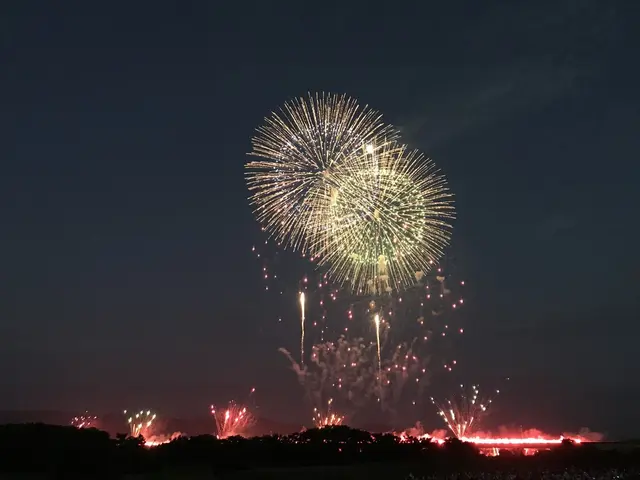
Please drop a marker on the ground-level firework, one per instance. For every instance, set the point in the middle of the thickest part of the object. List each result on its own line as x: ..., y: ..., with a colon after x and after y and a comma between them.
x: 462, y: 413
x: 529, y: 443
x: 234, y: 420
x: 85, y: 421
x: 327, y: 417
x: 155, y: 440
x: 140, y: 423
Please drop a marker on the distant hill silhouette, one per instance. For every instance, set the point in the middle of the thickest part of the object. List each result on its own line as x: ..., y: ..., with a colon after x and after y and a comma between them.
x: 114, y: 423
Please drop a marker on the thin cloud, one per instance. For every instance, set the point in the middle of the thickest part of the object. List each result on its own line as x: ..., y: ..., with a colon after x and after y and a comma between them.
x: 506, y: 92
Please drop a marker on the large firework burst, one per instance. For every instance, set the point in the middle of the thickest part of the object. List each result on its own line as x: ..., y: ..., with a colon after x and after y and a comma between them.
x: 387, y: 220
x: 302, y: 148
x: 333, y: 183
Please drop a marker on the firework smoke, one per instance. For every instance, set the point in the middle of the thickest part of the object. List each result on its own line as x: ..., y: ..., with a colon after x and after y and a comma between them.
x: 347, y: 372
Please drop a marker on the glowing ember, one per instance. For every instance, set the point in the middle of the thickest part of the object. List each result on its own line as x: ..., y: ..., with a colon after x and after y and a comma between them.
x: 156, y: 440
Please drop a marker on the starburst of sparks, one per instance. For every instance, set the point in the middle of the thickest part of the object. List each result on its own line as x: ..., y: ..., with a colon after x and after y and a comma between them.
x: 372, y: 212
x: 463, y: 412
x: 300, y: 149
x: 388, y: 219
x: 376, y: 321
x: 140, y: 423
x: 232, y: 421
x: 327, y: 418
x: 84, y: 421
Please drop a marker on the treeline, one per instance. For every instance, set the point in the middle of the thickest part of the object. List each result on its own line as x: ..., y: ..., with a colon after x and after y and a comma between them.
x: 56, y: 449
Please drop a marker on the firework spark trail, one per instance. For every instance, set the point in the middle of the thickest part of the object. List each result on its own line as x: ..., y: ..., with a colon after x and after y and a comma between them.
x: 300, y: 149
x: 141, y: 423
x: 463, y: 412
x: 233, y: 421
x: 85, y: 421
x: 327, y: 418
x: 302, y: 305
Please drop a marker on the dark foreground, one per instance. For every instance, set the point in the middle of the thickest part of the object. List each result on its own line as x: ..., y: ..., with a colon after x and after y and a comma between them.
x: 45, y: 451
x: 386, y: 472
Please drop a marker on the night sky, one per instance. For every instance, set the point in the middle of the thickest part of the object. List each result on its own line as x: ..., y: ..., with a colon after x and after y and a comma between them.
x: 126, y: 270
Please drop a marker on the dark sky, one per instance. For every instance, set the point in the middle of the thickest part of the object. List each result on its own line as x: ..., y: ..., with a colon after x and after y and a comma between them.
x: 125, y: 266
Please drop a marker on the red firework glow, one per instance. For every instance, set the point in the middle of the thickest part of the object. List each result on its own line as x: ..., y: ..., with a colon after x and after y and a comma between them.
x: 529, y: 442
x: 156, y: 440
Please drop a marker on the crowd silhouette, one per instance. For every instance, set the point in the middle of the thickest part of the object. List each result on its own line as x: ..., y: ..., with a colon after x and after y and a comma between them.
x: 57, y: 449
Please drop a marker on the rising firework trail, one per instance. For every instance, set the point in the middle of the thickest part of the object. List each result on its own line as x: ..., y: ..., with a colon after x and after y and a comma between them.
x: 347, y: 372
x: 302, y: 305
x: 463, y: 412
x: 140, y: 423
